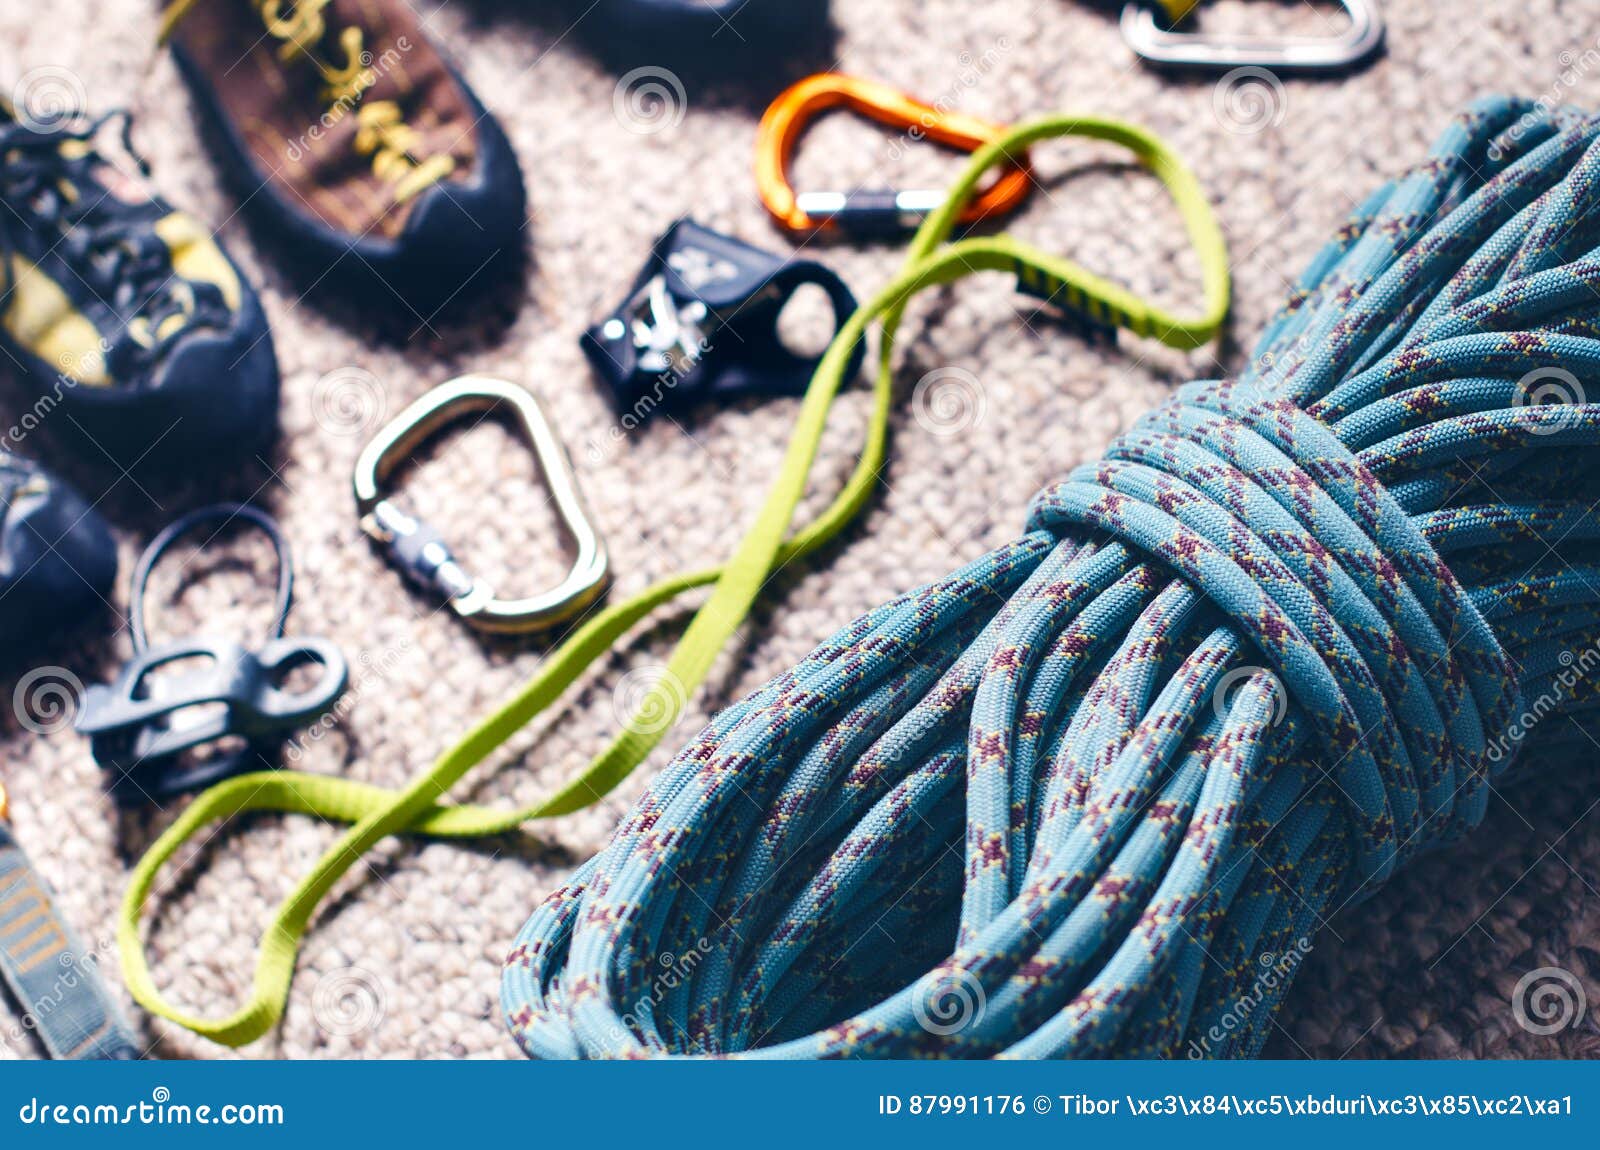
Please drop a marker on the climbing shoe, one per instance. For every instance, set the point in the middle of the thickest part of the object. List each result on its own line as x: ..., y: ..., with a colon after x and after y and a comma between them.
x: 352, y: 139
x: 130, y: 327
x: 57, y: 559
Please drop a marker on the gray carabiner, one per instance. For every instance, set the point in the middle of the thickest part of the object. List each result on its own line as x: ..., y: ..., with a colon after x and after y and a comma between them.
x: 1159, y: 45
x: 421, y: 552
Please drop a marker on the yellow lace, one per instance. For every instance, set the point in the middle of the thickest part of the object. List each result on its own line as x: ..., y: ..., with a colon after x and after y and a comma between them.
x: 382, y: 133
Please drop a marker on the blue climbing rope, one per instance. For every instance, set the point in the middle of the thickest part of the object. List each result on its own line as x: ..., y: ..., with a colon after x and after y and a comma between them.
x: 1090, y: 793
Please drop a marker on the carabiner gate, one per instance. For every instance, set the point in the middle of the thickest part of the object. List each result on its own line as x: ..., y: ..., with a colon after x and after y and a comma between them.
x: 876, y: 212
x: 1159, y: 45
x: 421, y: 553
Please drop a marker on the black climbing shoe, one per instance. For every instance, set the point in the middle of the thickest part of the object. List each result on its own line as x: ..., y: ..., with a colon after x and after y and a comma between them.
x: 132, y: 328
x: 57, y: 559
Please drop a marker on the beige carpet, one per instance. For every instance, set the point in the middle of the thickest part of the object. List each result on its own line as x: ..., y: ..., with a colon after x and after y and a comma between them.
x: 406, y: 961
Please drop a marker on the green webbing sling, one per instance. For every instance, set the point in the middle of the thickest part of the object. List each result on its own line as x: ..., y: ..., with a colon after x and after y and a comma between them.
x: 374, y: 812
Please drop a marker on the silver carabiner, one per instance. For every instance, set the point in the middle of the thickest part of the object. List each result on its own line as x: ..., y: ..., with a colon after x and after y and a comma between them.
x: 421, y: 553
x: 1286, y: 53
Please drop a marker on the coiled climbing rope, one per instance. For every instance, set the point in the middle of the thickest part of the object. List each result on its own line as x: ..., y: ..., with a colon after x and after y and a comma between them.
x: 1079, y: 797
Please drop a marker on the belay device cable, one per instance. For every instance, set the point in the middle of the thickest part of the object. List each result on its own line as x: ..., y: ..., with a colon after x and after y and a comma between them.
x: 1078, y: 798
x: 375, y: 812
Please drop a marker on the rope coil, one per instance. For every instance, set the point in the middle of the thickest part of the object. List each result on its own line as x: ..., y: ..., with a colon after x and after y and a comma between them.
x: 1093, y: 791
x: 1263, y: 509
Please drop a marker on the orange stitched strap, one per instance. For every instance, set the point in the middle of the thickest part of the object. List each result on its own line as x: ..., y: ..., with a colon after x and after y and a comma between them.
x: 787, y: 117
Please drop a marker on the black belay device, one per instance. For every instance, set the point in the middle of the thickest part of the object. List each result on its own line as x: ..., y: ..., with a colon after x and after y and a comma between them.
x: 701, y: 321
x: 235, y: 706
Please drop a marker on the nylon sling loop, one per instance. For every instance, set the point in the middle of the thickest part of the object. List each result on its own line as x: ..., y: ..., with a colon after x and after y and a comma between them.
x: 374, y: 813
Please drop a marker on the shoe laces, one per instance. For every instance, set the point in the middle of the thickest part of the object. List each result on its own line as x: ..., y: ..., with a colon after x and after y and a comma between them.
x: 47, y: 181
x: 393, y: 146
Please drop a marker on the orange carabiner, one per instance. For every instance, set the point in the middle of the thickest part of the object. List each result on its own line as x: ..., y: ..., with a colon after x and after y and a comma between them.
x: 874, y: 212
